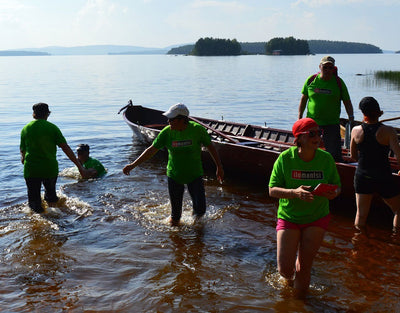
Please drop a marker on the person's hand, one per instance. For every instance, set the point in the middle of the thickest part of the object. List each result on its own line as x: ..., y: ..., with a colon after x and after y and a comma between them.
x: 84, y: 173
x: 303, y: 193
x: 127, y: 169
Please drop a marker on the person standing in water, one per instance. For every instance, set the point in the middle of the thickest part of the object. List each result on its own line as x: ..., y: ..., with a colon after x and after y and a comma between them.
x: 38, y: 147
x: 302, y: 216
x: 183, y: 139
x: 370, y: 145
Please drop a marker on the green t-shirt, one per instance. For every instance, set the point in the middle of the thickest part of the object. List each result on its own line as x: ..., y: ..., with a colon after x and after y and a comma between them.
x: 94, y: 163
x: 324, y: 99
x: 184, y: 151
x: 39, y: 141
x: 290, y: 172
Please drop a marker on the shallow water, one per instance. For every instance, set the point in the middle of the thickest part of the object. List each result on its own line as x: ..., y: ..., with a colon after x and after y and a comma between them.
x: 107, y: 246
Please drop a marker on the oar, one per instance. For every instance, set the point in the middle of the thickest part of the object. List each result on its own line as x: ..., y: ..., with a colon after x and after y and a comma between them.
x: 343, y: 129
x: 214, y: 130
x: 347, y: 136
x: 391, y: 119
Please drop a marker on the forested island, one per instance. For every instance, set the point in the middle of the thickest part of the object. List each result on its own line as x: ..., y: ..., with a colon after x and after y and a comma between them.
x: 22, y: 53
x: 281, y: 46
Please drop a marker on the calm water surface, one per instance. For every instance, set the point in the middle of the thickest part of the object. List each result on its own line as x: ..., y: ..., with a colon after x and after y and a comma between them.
x: 109, y: 248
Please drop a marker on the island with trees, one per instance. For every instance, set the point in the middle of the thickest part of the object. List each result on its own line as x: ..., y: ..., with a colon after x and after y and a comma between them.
x: 22, y: 53
x: 216, y: 47
x: 287, y: 46
x: 278, y: 45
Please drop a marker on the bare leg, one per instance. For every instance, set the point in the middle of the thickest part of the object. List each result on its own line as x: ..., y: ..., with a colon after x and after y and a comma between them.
x: 287, y: 246
x: 394, y: 204
x: 363, y: 202
x: 311, y: 239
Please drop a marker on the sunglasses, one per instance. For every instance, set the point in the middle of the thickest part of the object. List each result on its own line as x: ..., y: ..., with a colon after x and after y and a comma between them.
x: 328, y: 67
x: 174, y: 119
x: 313, y: 133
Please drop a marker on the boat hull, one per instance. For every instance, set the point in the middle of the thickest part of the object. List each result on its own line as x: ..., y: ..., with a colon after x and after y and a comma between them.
x: 252, y: 157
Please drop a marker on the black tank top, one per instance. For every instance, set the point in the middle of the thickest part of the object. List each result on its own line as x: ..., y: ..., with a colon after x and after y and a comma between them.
x: 373, y: 158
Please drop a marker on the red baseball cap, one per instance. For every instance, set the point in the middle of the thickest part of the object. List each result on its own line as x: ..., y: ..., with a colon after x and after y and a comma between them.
x: 303, y: 125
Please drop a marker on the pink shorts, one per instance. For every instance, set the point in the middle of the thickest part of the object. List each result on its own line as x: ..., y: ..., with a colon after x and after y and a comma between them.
x: 322, y: 222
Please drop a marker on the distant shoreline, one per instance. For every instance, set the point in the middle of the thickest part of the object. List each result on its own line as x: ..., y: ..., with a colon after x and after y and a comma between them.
x: 22, y: 53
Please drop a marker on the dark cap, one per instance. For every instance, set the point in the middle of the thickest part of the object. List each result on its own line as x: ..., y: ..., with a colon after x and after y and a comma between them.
x: 41, y: 109
x: 82, y: 148
x: 369, y: 106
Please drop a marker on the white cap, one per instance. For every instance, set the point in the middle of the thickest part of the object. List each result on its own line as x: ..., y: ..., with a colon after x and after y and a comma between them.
x: 177, y: 109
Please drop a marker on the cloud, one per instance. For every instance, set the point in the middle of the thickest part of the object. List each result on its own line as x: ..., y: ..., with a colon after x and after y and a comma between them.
x: 321, y: 3
x: 99, y: 20
x: 10, y: 9
x: 232, y: 6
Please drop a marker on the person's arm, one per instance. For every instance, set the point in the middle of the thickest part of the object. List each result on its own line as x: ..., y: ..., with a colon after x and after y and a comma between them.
x: 353, y: 143
x: 214, y: 154
x: 349, y: 109
x: 302, y: 105
x: 394, y: 144
x: 146, y: 155
x: 22, y: 156
x: 299, y: 193
x: 71, y: 155
x: 92, y: 172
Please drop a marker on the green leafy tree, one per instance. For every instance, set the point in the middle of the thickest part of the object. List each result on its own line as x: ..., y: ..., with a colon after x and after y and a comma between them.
x: 216, y: 47
x: 327, y: 46
x: 287, y: 46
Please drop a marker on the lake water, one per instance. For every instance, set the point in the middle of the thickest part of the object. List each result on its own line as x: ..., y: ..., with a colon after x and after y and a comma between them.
x: 109, y: 247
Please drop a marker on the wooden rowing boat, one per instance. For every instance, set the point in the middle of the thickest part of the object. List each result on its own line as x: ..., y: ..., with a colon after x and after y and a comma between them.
x: 247, y: 151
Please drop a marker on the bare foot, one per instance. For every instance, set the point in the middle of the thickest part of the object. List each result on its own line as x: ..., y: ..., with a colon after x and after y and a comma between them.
x: 173, y: 222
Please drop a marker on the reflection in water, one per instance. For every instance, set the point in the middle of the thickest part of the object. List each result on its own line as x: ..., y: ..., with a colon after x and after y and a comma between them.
x: 373, y: 81
x: 40, y: 265
x: 182, y: 285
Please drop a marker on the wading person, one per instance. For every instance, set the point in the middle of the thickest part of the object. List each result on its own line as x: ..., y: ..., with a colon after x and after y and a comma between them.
x: 38, y: 147
x: 183, y: 139
x: 324, y: 92
x: 370, y: 145
x: 93, y: 166
x: 302, y: 216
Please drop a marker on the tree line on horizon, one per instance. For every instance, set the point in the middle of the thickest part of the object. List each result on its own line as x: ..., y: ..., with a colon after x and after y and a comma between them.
x: 282, y: 46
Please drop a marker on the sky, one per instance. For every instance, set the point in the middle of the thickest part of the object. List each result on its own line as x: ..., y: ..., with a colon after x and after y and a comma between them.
x: 163, y: 23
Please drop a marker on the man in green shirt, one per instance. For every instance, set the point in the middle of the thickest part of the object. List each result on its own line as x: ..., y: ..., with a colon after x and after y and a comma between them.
x: 322, y: 94
x: 38, y: 147
x: 183, y: 139
x: 94, y: 167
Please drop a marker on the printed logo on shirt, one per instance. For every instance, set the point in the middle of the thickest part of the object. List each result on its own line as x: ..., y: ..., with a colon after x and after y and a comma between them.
x: 182, y: 143
x: 323, y: 91
x: 296, y: 174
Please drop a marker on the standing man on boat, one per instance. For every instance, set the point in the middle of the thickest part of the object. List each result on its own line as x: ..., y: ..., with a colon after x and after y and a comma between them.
x: 38, y: 147
x: 370, y: 145
x: 183, y: 139
x: 324, y: 92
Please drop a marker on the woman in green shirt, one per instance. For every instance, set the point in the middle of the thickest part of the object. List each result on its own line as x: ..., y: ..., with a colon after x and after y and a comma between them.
x: 302, y: 216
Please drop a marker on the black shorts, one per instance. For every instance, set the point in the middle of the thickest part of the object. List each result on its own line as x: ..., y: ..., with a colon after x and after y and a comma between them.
x: 386, y: 187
